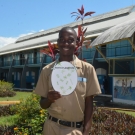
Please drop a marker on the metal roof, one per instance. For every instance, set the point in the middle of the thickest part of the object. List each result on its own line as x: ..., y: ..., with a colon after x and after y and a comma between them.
x: 28, y: 44
x: 74, y: 24
x: 95, y: 25
x: 120, y: 31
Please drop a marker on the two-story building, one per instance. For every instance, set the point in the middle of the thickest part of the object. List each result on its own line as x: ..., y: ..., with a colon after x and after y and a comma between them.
x: 112, y: 53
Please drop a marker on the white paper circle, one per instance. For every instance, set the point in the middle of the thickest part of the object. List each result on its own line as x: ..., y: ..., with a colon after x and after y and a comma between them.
x: 64, y: 78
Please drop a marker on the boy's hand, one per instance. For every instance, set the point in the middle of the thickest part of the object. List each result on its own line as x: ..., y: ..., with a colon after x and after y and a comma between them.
x: 53, y: 95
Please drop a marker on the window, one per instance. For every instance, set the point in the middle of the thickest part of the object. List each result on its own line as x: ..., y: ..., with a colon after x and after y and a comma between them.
x: 118, y: 49
x: 88, y: 53
x: 48, y: 59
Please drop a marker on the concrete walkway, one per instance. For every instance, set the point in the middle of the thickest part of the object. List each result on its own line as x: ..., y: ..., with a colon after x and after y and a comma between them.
x: 8, y: 102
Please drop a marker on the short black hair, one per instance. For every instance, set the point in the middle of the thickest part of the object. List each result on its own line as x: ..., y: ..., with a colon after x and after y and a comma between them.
x: 67, y: 28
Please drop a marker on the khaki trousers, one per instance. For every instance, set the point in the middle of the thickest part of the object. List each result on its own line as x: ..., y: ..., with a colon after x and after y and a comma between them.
x: 53, y: 128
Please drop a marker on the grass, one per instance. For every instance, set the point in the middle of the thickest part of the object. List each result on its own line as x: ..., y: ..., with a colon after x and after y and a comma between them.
x: 8, y: 120
x: 127, y: 112
x: 19, y: 95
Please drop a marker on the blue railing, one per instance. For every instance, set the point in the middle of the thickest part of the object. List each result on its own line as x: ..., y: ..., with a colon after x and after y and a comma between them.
x: 6, y: 63
x: 35, y: 60
x: 19, y: 62
x: 115, y: 52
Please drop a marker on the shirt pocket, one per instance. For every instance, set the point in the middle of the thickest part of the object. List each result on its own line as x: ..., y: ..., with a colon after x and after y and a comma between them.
x: 81, y: 88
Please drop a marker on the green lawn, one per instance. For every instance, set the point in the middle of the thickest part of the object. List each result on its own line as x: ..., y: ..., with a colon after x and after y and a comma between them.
x: 19, y: 95
x: 8, y: 120
x: 127, y: 112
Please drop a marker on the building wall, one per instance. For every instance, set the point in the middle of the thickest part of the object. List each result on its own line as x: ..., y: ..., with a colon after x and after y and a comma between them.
x: 120, y: 48
x: 34, y: 57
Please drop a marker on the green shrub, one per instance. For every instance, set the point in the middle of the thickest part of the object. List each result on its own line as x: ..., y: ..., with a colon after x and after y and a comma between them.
x: 6, y: 85
x: 6, y: 89
x: 30, y: 119
x: 30, y: 114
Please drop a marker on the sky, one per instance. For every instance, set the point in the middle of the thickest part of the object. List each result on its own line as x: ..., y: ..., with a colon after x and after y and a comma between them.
x: 23, y: 17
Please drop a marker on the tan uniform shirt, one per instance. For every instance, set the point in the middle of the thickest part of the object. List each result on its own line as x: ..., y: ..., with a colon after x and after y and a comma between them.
x: 70, y: 107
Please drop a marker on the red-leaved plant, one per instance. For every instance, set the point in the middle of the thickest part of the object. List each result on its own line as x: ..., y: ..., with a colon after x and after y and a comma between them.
x: 80, y: 14
x: 52, y: 49
x: 81, y: 41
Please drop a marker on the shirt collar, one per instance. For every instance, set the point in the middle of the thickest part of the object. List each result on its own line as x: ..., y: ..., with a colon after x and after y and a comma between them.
x: 77, y: 62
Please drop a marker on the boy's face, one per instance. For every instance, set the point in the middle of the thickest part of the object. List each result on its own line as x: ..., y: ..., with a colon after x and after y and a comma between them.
x: 67, y: 42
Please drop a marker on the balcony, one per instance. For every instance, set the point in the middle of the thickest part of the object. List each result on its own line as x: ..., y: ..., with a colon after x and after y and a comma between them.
x: 20, y: 62
x: 5, y: 64
x: 35, y: 60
